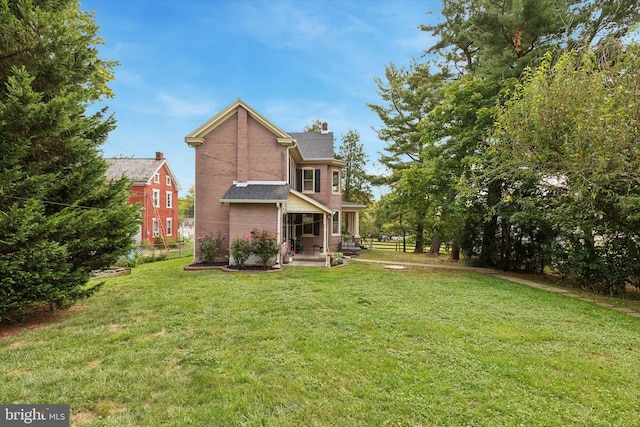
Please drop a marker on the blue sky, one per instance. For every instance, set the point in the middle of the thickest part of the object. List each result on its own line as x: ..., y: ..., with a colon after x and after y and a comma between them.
x: 293, y: 61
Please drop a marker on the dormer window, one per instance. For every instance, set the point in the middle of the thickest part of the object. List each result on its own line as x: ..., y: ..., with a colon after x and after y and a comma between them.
x: 168, y: 180
x: 156, y: 178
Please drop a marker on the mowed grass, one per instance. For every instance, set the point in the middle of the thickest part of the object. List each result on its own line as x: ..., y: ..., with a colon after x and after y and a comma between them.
x: 351, y: 346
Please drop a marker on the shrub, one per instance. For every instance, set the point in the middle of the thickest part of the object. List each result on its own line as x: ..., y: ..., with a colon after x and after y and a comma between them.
x: 241, y: 250
x: 336, y: 259
x: 210, y: 246
x: 264, y: 245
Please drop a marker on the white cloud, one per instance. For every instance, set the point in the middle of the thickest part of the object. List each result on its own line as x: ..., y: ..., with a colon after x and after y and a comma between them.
x: 181, y: 107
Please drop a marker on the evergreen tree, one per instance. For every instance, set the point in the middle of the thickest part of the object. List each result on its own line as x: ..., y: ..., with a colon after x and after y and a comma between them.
x: 59, y: 218
x: 409, y: 95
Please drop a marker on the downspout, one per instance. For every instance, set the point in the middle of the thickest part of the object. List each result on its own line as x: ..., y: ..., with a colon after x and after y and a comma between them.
x: 279, y: 233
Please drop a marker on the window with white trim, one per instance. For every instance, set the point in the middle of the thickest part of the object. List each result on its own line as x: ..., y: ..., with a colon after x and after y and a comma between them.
x: 308, y: 180
x: 168, y: 180
x: 335, y: 224
x: 156, y: 198
x: 169, y: 226
x: 335, y: 182
x: 169, y: 199
x: 156, y: 178
x: 156, y: 231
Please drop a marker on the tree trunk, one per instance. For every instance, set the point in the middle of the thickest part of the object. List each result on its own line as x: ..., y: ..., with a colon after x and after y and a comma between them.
x: 419, y: 239
x: 455, y: 249
x: 489, y: 249
x: 436, y: 242
x: 505, y: 256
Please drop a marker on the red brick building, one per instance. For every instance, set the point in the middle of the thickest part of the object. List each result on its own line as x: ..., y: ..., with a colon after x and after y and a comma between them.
x: 250, y: 174
x: 155, y: 188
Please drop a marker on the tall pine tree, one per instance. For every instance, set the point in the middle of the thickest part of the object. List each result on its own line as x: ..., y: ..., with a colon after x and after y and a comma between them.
x: 59, y: 218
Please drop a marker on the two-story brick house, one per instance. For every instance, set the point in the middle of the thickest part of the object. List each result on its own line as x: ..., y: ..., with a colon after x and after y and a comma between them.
x: 155, y: 188
x: 250, y: 174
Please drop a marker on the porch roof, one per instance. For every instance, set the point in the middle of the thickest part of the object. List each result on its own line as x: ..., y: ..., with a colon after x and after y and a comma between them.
x: 350, y: 206
x: 299, y: 203
x: 256, y: 193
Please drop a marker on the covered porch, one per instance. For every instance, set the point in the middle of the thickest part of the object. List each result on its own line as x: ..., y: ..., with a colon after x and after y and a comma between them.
x: 307, y: 229
x: 351, y: 224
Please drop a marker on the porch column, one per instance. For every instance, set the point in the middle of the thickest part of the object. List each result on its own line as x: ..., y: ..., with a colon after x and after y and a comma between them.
x: 324, y: 234
x: 356, y: 232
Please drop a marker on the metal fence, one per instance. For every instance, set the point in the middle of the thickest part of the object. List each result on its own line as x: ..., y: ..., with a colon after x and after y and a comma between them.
x: 176, y: 250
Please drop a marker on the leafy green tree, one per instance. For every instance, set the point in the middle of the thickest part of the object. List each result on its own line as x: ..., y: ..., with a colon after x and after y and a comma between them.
x: 577, y: 140
x: 486, y: 46
x: 186, y: 203
x: 59, y: 218
x: 356, y: 185
x: 315, y: 126
x: 389, y: 219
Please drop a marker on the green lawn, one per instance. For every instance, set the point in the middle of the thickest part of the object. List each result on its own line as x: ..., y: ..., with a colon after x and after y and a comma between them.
x: 350, y: 346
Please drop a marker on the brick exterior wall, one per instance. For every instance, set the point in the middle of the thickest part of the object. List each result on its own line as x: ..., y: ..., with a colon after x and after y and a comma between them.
x: 239, y: 149
x: 143, y: 195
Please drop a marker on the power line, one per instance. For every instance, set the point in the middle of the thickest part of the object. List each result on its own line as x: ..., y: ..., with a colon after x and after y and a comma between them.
x: 49, y: 202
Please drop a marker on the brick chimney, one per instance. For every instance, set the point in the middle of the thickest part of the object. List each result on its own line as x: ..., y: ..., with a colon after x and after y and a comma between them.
x: 325, y: 128
x: 159, y: 155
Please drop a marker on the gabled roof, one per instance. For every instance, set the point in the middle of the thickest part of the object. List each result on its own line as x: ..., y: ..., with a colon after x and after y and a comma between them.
x: 197, y: 136
x: 140, y: 171
x: 300, y: 203
x: 256, y: 193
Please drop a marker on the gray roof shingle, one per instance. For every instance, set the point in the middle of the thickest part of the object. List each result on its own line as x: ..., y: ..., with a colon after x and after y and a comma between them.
x: 256, y: 193
x: 140, y: 171
x: 314, y: 145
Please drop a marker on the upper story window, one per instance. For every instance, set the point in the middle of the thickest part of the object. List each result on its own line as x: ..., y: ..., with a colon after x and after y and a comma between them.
x: 156, y: 198
x: 335, y: 182
x: 308, y: 180
x: 156, y: 178
x: 168, y: 180
x: 169, y: 199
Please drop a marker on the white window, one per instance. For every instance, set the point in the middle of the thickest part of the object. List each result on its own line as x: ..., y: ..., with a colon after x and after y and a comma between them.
x: 156, y: 198
x: 169, y: 199
x: 156, y: 232
x: 335, y: 224
x: 169, y: 226
x: 335, y: 182
x: 308, y: 181
x: 156, y: 178
x: 168, y: 180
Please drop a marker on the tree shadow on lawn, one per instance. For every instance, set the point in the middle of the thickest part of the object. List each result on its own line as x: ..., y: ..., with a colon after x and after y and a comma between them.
x: 36, y: 317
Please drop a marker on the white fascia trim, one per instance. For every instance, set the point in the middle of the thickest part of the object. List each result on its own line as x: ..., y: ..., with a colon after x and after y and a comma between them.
x: 247, y: 183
